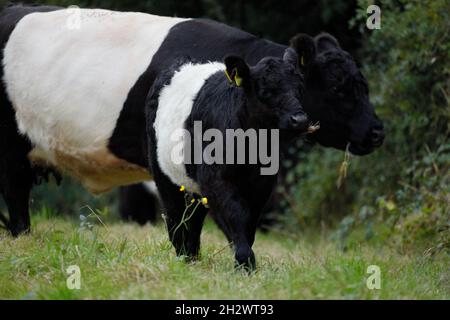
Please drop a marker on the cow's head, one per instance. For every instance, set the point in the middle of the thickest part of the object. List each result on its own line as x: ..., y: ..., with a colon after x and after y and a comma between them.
x: 337, y: 96
x: 272, y: 89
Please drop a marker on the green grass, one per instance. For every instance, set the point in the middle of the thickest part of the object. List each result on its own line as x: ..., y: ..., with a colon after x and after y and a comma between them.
x: 124, y: 261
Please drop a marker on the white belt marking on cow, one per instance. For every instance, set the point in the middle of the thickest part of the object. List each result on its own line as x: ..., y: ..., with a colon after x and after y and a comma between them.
x: 68, y: 86
x: 175, y: 105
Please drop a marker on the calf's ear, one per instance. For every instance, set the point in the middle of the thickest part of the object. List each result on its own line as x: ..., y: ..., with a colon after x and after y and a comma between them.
x: 303, y: 44
x: 291, y: 56
x: 237, y: 71
x: 325, y: 41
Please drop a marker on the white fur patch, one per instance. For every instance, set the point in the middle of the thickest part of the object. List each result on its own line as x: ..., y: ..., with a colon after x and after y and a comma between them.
x: 68, y: 85
x: 174, y: 107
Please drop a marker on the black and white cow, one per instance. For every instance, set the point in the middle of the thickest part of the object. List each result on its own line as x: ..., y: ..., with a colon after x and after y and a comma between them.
x: 73, y: 95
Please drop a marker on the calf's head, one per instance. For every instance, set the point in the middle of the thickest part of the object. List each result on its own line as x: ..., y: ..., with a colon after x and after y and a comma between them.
x: 337, y: 96
x: 272, y: 90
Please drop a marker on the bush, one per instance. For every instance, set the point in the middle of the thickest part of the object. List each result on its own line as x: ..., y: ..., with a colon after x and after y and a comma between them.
x: 402, y: 191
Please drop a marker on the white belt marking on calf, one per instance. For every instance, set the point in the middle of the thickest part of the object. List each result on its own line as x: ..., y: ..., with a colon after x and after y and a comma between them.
x: 175, y: 105
x: 68, y: 86
x: 151, y: 187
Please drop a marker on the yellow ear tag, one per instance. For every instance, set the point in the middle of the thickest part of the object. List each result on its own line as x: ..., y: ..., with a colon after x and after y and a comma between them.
x: 228, y: 77
x: 302, y: 61
x: 237, y: 79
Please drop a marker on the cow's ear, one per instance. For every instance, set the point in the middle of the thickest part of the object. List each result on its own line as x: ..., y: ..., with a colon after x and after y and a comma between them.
x: 303, y: 44
x: 237, y: 71
x: 325, y: 41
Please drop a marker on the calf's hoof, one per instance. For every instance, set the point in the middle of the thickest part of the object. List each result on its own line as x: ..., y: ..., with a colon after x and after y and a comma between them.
x: 188, y: 255
x: 245, y: 259
x: 19, y: 230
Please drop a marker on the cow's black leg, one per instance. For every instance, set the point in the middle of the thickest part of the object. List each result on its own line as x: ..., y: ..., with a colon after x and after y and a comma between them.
x: 16, y: 175
x: 16, y: 187
x: 138, y: 204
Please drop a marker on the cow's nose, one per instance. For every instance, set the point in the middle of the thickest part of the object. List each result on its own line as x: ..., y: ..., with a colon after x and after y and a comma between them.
x: 299, y: 121
x: 377, y: 137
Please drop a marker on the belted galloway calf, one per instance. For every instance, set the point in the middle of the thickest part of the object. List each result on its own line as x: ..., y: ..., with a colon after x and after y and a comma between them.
x: 258, y: 107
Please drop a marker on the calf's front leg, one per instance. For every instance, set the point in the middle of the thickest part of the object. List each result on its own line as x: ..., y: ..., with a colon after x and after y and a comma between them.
x: 16, y: 182
x: 233, y: 216
x: 184, y: 225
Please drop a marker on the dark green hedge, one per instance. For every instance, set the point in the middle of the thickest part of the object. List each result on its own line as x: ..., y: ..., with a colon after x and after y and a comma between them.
x: 401, y: 192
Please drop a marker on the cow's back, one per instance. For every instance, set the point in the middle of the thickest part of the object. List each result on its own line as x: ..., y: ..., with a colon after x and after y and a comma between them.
x: 68, y: 80
x: 68, y: 75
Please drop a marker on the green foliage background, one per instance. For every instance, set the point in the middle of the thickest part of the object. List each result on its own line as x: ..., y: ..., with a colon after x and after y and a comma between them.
x: 400, y: 194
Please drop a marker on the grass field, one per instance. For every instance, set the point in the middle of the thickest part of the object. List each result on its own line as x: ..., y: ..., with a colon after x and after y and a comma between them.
x: 124, y: 261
